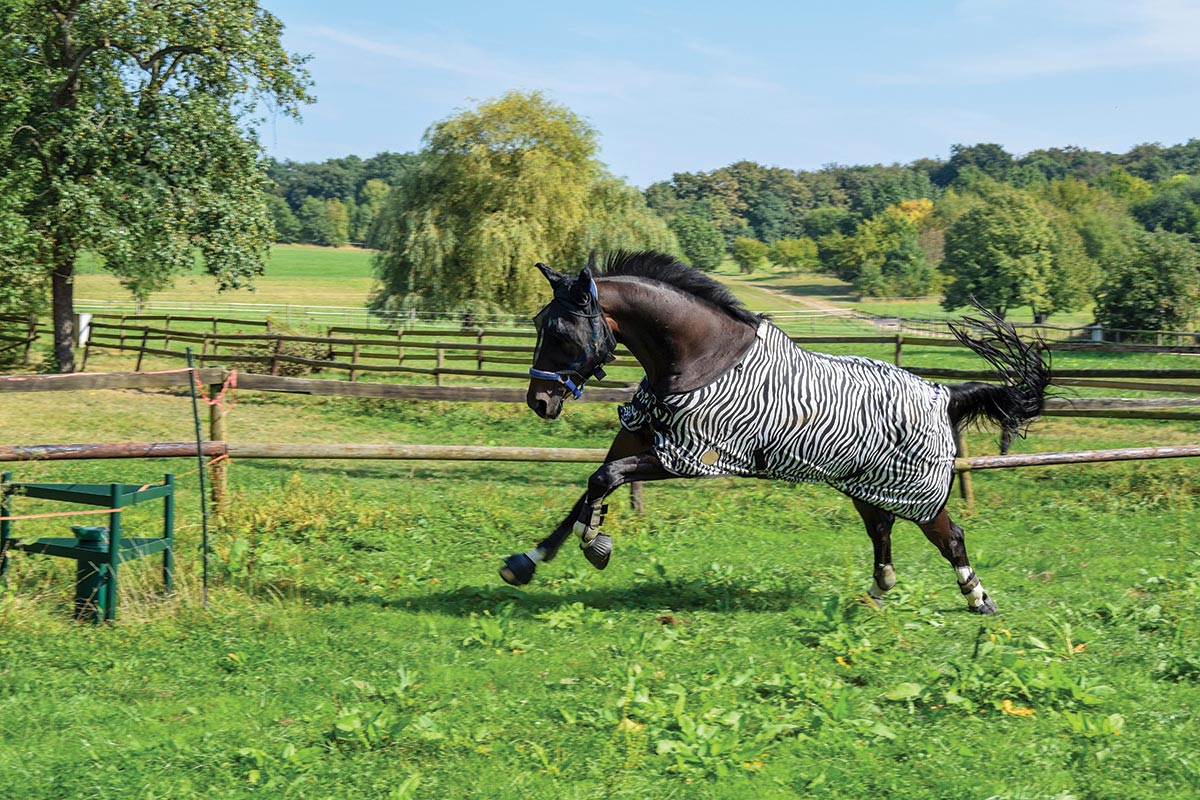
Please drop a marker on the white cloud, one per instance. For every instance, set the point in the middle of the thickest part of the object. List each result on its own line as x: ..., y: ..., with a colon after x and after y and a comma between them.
x: 1064, y: 37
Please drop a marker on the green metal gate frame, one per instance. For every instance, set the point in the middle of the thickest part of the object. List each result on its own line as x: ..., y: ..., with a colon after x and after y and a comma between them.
x: 97, y: 550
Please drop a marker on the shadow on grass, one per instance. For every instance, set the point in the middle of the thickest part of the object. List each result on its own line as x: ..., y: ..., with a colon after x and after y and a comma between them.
x: 641, y: 596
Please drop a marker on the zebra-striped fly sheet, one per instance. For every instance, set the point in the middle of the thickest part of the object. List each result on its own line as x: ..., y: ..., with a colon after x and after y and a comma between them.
x: 874, y: 431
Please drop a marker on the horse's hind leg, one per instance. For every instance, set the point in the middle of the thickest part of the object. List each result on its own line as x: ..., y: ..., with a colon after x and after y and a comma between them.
x: 948, y: 539
x: 879, y: 528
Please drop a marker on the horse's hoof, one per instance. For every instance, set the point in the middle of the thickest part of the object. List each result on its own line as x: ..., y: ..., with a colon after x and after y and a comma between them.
x: 598, y: 550
x: 518, y: 569
x: 988, y: 606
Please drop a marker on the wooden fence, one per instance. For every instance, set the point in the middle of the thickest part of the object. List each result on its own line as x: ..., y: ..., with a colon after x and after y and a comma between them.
x: 1180, y: 408
x: 505, y: 353
x: 11, y: 341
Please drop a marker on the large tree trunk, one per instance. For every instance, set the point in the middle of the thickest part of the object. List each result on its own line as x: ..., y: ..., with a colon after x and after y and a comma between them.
x: 62, y: 285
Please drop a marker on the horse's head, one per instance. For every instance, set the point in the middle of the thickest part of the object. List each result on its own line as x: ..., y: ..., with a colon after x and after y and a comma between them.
x: 573, y: 345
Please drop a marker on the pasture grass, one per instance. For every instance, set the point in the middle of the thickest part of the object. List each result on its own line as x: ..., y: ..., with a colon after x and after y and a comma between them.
x: 358, y: 642
x: 295, y: 275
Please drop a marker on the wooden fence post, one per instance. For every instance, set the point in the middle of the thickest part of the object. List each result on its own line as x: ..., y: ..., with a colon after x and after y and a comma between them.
x: 400, y: 348
x: 142, y: 349
x: 167, y: 335
x: 32, y: 334
x: 217, y: 433
x: 965, y: 487
x: 479, y: 352
x: 275, y: 357
x: 354, y: 362
x: 899, y: 346
x: 441, y: 362
x: 636, y: 500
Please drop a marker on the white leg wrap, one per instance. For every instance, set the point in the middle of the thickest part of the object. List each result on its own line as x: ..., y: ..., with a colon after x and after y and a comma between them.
x: 885, y: 579
x: 976, y: 594
x: 535, y: 555
x: 588, y: 525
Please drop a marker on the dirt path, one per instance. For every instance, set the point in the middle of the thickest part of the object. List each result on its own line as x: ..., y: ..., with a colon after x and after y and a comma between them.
x: 786, y: 299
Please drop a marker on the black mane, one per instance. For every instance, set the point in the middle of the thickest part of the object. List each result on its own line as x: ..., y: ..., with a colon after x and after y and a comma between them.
x: 668, y: 270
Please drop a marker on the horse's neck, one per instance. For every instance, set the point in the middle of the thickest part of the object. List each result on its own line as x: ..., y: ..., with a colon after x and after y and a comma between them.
x: 682, y: 343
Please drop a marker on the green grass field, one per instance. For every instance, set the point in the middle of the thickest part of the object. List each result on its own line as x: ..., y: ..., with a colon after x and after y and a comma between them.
x: 296, y: 275
x: 360, y: 644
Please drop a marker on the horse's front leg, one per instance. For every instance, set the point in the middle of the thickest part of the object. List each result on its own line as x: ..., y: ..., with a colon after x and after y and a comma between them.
x: 629, y: 460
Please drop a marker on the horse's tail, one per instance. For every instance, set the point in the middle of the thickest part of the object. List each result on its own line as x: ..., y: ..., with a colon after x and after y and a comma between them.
x: 1024, y: 366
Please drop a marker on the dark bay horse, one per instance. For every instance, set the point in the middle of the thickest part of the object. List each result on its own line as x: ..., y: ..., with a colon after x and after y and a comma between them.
x: 726, y: 393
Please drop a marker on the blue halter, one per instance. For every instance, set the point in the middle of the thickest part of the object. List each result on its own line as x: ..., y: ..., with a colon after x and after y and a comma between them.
x: 590, y: 364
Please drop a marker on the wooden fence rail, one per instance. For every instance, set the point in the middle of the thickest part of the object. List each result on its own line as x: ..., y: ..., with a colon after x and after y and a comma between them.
x: 210, y: 376
x: 423, y: 452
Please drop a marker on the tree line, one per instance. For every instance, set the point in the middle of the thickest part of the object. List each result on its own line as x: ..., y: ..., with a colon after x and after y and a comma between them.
x: 1054, y: 230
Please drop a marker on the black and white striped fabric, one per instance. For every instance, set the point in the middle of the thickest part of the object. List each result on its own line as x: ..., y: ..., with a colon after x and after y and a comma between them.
x: 871, y: 430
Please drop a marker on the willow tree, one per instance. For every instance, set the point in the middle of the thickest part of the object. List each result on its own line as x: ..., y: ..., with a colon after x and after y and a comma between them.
x: 499, y: 188
x: 129, y: 132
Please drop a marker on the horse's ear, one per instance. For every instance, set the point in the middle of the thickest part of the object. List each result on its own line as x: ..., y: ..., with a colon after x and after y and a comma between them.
x: 555, y: 278
x: 583, y: 286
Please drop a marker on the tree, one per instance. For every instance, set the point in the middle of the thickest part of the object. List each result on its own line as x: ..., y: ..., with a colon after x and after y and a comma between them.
x: 287, y: 227
x: 618, y: 218
x: 749, y: 254
x: 795, y: 254
x: 999, y: 252
x: 991, y: 160
x: 497, y: 189
x: 1173, y: 206
x: 1156, y: 287
x: 338, y: 214
x: 129, y: 128
x: 884, y: 257
x: 373, y: 198
x: 701, y: 242
x: 315, y: 222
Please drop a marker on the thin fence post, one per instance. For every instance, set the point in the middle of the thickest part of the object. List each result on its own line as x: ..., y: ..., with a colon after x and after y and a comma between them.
x: 167, y: 335
x: 354, y: 362
x: 400, y: 347
x: 479, y: 352
x: 966, y: 488
x: 899, y: 346
x: 441, y: 362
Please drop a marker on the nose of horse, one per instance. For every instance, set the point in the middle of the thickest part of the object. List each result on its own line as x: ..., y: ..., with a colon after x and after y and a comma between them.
x: 542, y: 404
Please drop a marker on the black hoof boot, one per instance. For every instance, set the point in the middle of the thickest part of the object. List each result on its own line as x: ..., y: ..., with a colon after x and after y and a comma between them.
x: 518, y: 569
x: 987, y: 607
x: 598, y: 550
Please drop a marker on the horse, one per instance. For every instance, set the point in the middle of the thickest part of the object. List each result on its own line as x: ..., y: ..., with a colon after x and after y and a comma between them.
x: 726, y: 393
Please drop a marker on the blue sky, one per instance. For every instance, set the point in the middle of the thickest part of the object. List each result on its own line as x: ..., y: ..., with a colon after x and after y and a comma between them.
x: 693, y: 86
